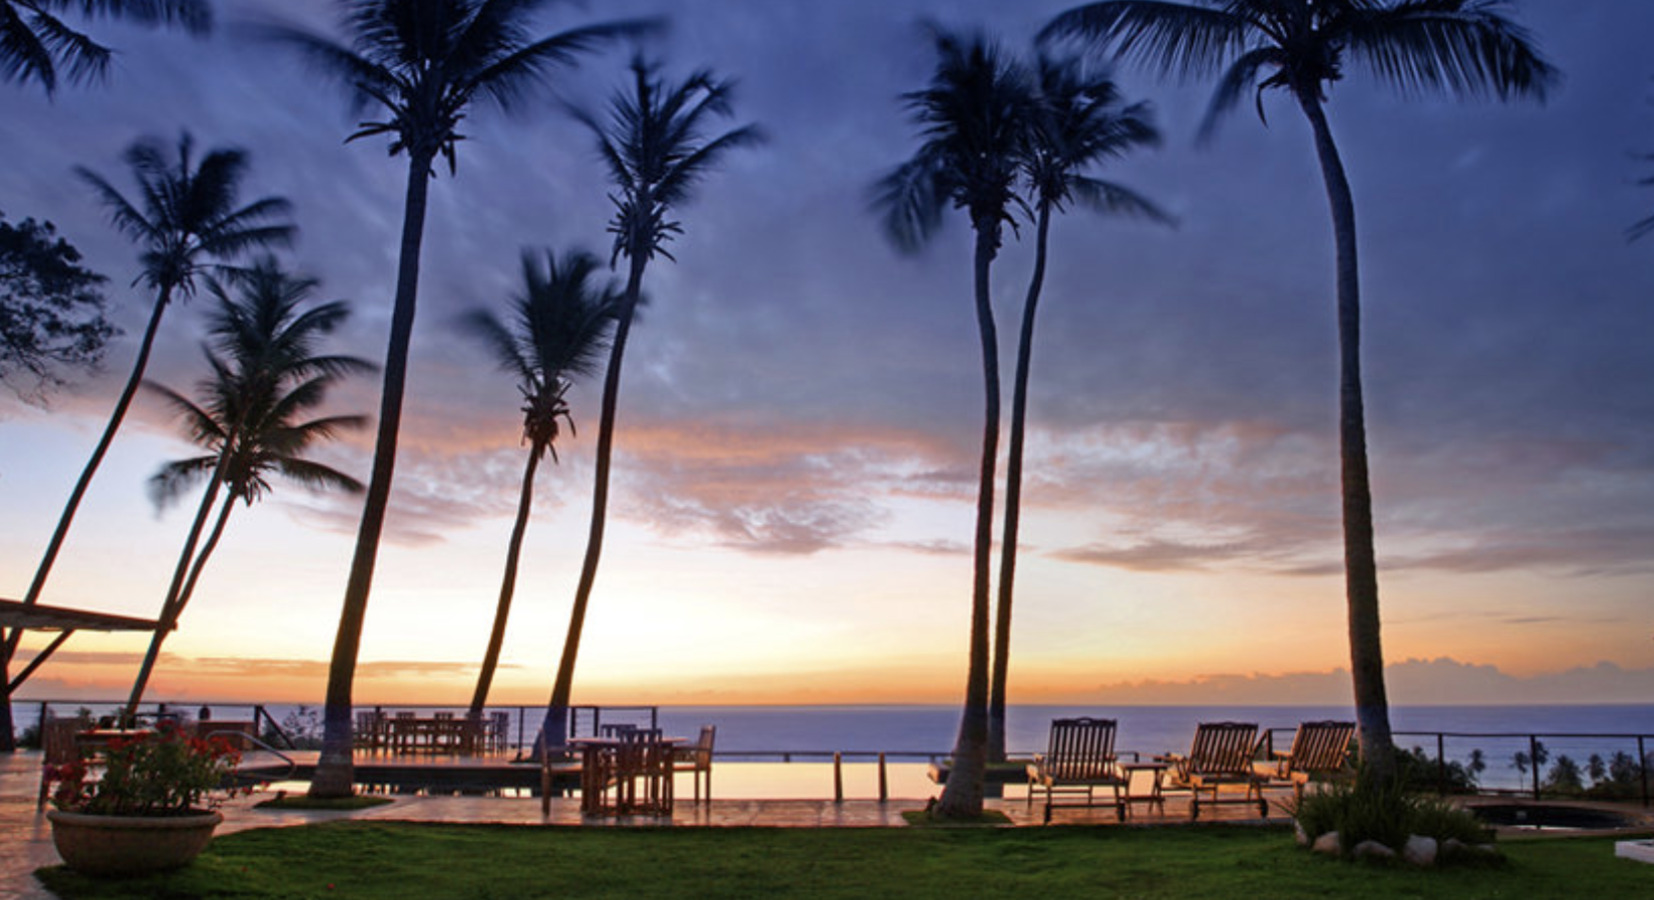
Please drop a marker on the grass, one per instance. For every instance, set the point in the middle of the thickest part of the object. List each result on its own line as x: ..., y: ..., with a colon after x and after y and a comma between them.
x: 492, y: 862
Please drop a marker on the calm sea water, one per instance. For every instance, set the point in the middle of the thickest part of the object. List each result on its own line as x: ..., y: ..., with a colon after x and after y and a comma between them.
x: 911, y: 733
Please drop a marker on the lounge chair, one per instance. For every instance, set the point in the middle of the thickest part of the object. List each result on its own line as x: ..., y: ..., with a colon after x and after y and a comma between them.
x: 697, y: 759
x: 1080, y: 759
x: 1319, y: 750
x: 1221, y: 756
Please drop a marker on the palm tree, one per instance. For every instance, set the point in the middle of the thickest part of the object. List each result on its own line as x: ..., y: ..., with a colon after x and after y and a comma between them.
x: 265, y: 373
x: 186, y: 217
x: 35, y: 43
x: 1078, y: 122
x: 656, y: 154
x: 1461, y: 48
x: 973, y: 119
x: 426, y: 62
x: 556, y: 333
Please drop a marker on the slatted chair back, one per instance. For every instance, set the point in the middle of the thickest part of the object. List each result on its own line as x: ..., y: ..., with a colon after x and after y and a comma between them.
x: 1081, y: 749
x: 58, y: 747
x: 1223, y: 748
x: 1321, y: 746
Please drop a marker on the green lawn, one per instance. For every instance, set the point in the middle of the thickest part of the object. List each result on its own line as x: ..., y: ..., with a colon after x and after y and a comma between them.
x: 406, y: 861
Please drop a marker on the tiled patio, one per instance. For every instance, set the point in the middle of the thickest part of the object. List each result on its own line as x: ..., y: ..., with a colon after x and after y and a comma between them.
x: 29, y: 839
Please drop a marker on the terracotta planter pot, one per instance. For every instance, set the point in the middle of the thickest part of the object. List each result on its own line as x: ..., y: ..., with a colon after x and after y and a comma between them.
x: 130, y: 845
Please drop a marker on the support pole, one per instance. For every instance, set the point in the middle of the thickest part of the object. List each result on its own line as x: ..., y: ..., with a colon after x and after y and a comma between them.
x: 838, y: 777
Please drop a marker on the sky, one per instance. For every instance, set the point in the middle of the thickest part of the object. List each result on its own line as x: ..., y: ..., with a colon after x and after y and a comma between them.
x: 794, y: 483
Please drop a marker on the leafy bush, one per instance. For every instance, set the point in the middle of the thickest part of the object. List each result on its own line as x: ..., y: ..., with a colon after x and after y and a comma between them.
x: 1419, y: 771
x: 1363, y: 812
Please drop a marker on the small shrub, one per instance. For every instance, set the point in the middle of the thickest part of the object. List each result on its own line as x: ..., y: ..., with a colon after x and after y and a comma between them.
x: 1363, y: 812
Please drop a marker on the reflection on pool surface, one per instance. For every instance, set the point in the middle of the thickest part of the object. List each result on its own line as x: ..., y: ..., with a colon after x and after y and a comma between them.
x: 1551, y: 817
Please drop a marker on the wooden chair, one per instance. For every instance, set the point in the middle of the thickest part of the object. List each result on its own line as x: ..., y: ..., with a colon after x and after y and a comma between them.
x: 1319, y: 750
x: 1221, y: 756
x: 1080, y: 759
x: 59, y: 747
x: 697, y: 758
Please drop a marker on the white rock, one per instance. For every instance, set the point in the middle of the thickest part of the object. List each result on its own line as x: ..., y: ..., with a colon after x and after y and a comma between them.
x: 1328, y: 843
x: 1299, y: 833
x: 1420, y: 850
x: 1372, y: 849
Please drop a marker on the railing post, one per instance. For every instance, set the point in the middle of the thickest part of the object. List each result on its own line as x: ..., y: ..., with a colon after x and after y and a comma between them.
x: 1642, y: 766
x: 838, y: 777
x: 884, y: 785
x: 1533, y: 759
x: 1441, y: 764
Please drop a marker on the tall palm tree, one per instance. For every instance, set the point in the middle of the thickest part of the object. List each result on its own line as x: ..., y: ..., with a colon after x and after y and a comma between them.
x: 1078, y: 123
x: 426, y: 63
x: 186, y: 217
x: 1460, y: 48
x: 557, y: 332
x: 266, y: 372
x: 656, y: 152
x: 36, y: 44
x: 973, y: 119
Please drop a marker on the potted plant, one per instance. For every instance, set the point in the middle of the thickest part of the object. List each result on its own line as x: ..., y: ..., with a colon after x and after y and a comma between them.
x: 152, y: 810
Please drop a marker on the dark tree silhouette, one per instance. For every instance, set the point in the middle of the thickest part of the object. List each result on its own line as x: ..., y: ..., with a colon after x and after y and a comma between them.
x: 51, y: 309
x: 656, y: 152
x: 266, y: 373
x: 973, y: 119
x: 186, y: 217
x: 1461, y: 48
x: 37, y: 44
x: 1078, y: 123
x: 424, y: 63
x: 557, y: 332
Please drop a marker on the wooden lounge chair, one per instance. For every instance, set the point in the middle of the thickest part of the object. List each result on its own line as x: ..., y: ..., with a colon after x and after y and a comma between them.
x: 1319, y: 750
x: 1221, y: 756
x: 697, y: 759
x: 1080, y: 759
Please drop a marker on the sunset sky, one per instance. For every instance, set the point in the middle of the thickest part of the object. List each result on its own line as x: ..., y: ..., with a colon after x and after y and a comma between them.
x: 794, y: 481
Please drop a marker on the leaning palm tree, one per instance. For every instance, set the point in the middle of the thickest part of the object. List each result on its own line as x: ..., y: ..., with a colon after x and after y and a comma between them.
x: 973, y: 118
x: 426, y: 63
x: 186, y: 217
x: 656, y: 153
x: 36, y: 44
x: 557, y: 332
x: 1462, y: 48
x: 266, y: 372
x: 1078, y: 123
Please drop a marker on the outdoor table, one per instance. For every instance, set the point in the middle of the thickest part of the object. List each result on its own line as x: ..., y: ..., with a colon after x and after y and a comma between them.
x: 409, y: 735
x: 621, y: 761
x: 1156, y: 797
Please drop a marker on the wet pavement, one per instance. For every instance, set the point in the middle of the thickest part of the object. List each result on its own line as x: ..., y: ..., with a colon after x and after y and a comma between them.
x: 27, y: 843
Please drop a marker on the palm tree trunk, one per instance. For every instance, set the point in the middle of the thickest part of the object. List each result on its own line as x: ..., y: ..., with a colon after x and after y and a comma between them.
x: 116, y: 417
x: 335, y: 771
x: 206, y: 551
x: 1013, y: 496
x: 170, y: 607
x: 1372, y: 709
x: 174, y: 608
x: 508, y: 585
x: 962, y: 795
x: 554, y: 730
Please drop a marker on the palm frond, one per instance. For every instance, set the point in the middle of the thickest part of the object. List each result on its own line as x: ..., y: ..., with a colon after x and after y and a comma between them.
x: 1239, y: 80
x: 1175, y: 39
x: 1115, y: 199
x: 1462, y: 48
x: 909, y: 202
x: 506, y: 80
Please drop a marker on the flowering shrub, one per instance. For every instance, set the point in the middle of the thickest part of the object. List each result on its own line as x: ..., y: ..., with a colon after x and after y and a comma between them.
x: 161, y: 773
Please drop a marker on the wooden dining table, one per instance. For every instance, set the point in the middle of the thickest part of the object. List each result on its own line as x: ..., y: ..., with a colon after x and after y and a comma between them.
x: 625, y: 762
x: 455, y: 734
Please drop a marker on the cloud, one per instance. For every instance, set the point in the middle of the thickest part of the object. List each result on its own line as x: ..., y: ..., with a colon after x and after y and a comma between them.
x: 1412, y: 681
